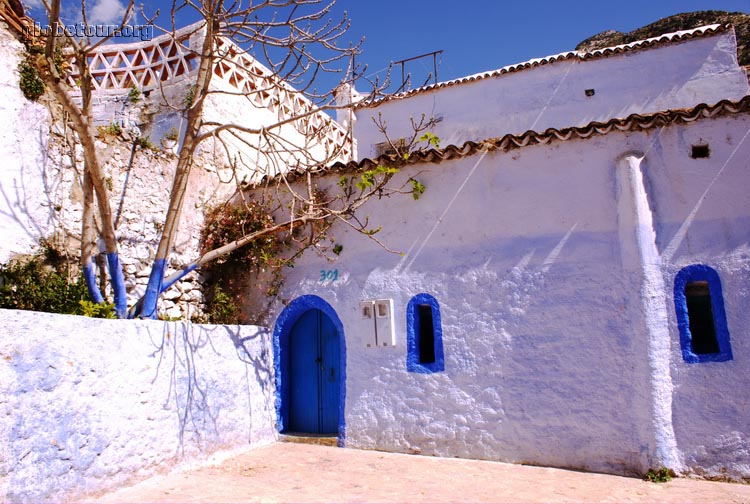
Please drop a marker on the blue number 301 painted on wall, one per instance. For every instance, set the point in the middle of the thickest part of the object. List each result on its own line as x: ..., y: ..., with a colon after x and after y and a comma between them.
x: 329, y: 275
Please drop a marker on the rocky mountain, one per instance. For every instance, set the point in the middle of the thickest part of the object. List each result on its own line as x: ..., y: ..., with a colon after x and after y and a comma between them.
x: 685, y: 21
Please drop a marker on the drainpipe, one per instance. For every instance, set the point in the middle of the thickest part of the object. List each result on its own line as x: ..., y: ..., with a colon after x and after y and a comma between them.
x: 641, y: 258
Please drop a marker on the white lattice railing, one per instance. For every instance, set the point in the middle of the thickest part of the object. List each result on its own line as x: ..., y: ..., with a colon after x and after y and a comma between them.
x: 244, y: 74
x: 115, y: 68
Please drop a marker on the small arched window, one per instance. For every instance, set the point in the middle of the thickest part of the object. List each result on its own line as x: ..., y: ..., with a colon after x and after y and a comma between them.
x: 699, y: 305
x: 424, y: 335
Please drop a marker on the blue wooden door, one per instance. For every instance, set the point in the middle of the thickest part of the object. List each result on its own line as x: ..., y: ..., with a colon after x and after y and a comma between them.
x: 314, y: 374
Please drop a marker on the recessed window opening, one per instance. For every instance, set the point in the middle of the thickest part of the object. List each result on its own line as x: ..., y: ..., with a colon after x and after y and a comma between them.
x: 390, y: 148
x: 426, y: 334
x: 700, y: 151
x: 701, y: 318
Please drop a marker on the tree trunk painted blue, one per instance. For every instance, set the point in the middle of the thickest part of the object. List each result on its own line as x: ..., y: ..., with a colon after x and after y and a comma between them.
x: 89, y: 276
x: 141, y: 309
x: 147, y: 308
x: 177, y: 276
x: 314, y: 375
x: 118, y: 285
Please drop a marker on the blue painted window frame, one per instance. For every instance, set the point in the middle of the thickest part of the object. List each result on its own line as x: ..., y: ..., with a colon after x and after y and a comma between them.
x: 412, y: 336
x: 701, y: 273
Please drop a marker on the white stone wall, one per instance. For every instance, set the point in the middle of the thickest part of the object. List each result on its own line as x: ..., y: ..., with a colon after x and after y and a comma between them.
x: 89, y: 405
x: 560, y: 347
x: 139, y: 194
x: 671, y: 76
x: 25, y: 214
x: 40, y: 183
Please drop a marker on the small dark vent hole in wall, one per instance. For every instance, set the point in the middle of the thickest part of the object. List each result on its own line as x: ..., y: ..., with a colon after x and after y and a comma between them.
x: 700, y: 151
x: 590, y: 92
x: 701, y: 318
x: 426, y: 334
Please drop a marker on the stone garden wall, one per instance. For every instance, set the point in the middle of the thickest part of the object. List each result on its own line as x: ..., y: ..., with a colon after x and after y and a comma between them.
x: 88, y: 405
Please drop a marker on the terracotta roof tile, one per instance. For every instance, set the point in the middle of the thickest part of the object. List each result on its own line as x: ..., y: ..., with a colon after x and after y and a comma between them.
x: 661, y: 40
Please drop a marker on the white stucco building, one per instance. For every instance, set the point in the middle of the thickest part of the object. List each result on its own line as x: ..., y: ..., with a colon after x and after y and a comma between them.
x: 573, y: 289
x: 573, y: 285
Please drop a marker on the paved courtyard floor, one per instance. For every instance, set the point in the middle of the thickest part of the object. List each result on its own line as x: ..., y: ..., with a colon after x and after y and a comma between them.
x: 290, y: 472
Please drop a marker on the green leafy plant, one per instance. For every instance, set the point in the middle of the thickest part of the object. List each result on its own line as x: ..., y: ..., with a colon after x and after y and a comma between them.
x: 96, y: 310
x: 134, y: 96
x: 43, y: 283
x: 431, y: 139
x: 31, y: 82
x: 112, y: 130
x: 227, y: 223
x: 370, y: 177
x: 32, y: 284
x: 144, y: 142
x: 190, y: 96
x: 172, y: 134
x: 221, y: 307
x: 659, y: 476
x: 417, y: 188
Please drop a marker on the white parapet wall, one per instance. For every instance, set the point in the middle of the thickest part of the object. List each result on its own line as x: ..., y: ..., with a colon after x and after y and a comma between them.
x: 88, y: 405
x: 672, y: 71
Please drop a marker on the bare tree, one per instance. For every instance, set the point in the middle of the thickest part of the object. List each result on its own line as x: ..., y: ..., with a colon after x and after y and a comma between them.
x: 298, y: 42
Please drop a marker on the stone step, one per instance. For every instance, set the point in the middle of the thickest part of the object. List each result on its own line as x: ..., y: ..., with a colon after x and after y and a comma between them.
x: 307, y: 438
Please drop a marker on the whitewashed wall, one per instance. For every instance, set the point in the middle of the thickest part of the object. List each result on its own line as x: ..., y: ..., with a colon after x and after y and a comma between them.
x: 40, y: 183
x: 41, y: 195
x: 24, y: 215
x: 675, y: 75
x: 89, y: 405
x: 551, y: 355
x: 704, y: 218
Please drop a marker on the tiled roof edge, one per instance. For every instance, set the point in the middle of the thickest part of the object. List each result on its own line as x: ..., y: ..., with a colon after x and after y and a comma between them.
x: 633, y: 122
x: 667, y: 38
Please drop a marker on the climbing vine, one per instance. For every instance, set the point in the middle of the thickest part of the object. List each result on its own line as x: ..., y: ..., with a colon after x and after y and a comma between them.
x: 228, y: 278
x: 257, y: 266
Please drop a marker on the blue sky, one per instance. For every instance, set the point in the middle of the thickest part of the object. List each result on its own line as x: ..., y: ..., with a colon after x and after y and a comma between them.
x: 486, y: 34
x: 475, y: 35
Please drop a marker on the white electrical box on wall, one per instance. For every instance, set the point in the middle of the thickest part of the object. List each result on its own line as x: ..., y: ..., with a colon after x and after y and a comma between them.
x: 367, y: 324
x: 385, y: 329
x: 376, y: 323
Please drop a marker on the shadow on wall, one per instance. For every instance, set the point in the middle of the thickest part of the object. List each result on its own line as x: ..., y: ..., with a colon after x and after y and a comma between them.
x: 191, y: 387
x: 16, y: 208
x: 123, y: 401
